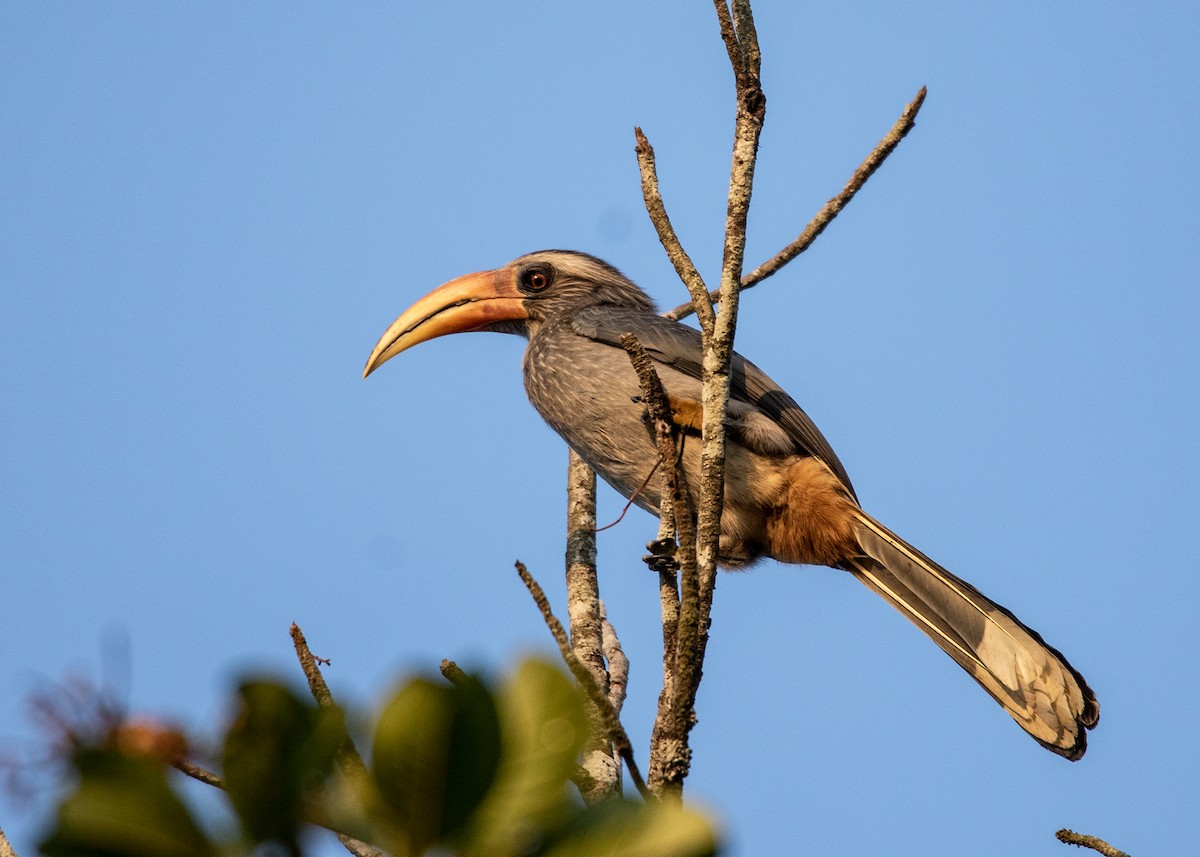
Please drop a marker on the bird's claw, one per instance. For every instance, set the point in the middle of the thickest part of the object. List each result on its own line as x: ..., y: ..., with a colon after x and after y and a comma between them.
x: 662, y: 555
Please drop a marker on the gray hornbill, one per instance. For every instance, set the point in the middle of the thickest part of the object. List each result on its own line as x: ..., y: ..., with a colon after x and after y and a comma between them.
x: 787, y: 496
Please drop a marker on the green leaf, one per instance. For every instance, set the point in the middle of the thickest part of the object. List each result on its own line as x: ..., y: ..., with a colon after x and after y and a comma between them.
x: 628, y: 829
x: 123, y: 807
x: 435, y: 755
x: 278, y: 753
x: 543, y: 726
x: 474, y: 754
x: 409, y: 762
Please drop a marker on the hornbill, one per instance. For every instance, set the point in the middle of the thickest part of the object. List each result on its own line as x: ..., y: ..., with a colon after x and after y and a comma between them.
x: 787, y: 496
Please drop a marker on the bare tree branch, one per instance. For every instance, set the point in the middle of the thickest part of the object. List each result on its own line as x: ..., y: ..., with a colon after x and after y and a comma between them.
x: 698, y: 574
x: 355, y: 846
x: 199, y: 773
x: 831, y: 209
x: 1070, y: 837
x: 583, y: 589
x: 741, y: 40
x: 308, y: 663
x: 687, y: 610
x: 737, y: 58
x: 683, y: 627
x: 701, y: 302
x: 349, y: 759
x: 601, y: 765
x: 452, y: 672
x: 744, y: 20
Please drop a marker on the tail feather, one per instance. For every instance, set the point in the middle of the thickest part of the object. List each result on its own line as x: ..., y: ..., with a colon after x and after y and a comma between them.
x: 1032, y: 681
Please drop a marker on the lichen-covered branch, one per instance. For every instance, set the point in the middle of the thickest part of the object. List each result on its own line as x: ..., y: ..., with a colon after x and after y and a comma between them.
x: 684, y: 628
x: 452, y: 672
x: 701, y: 302
x: 349, y: 759
x: 687, y: 599
x: 687, y: 609
x: 603, y: 769
x: 741, y: 40
x: 1070, y: 837
x: 197, y: 772
x: 201, y: 774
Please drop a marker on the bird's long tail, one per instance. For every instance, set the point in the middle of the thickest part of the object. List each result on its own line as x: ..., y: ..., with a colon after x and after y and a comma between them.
x: 1032, y: 681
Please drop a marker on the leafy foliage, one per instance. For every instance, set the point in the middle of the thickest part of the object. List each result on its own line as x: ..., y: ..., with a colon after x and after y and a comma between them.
x: 455, y: 769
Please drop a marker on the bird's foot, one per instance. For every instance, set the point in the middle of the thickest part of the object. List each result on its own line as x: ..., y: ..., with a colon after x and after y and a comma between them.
x: 662, y: 555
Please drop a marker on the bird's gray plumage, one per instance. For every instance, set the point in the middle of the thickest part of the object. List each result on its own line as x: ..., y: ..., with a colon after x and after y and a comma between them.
x: 786, y: 493
x: 676, y: 345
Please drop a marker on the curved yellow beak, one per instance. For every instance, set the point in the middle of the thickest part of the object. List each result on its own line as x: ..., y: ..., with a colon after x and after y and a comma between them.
x: 464, y: 304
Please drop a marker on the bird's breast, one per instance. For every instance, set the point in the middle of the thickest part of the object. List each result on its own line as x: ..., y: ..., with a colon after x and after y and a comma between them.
x: 585, y: 391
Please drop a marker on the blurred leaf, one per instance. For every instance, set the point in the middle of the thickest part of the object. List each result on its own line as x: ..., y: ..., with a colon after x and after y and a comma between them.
x: 436, y: 751
x: 278, y: 752
x: 631, y: 829
x: 454, y: 770
x: 543, y: 727
x: 409, y: 761
x: 123, y: 807
x: 474, y: 753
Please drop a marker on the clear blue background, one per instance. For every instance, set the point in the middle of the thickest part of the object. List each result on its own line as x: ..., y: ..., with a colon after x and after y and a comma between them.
x: 209, y: 212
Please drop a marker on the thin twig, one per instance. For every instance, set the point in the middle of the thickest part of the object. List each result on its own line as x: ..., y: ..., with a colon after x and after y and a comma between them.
x: 736, y: 58
x: 682, y: 625
x: 747, y: 36
x: 355, y: 846
x: 312, y: 672
x: 702, y: 303
x: 359, y: 848
x: 1070, y: 837
x: 452, y: 672
x: 831, y: 209
x: 197, y: 772
x: 742, y: 40
x: 616, y: 731
x: 699, y: 551
x: 349, y: 758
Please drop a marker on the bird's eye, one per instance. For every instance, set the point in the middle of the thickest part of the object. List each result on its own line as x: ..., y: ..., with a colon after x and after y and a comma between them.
x: 535, y: 280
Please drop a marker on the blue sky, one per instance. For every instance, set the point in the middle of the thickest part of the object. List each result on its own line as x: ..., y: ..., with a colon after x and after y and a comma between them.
x: 209, y: 212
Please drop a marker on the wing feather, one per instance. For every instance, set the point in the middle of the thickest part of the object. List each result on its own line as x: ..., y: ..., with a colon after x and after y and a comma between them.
x: 678, y: 346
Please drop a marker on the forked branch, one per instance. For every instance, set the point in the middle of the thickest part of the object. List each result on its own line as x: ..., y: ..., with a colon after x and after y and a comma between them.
x: 687, y: 609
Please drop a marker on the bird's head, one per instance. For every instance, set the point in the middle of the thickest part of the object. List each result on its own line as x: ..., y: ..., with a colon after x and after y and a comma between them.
x: 513, y: 299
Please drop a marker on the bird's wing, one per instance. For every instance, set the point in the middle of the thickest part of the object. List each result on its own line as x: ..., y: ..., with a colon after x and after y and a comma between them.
x: 678, y: 346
